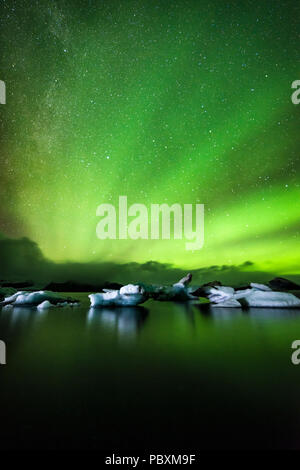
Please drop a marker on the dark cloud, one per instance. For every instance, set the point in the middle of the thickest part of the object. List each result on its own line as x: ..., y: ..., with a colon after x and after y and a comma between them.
x: 22, y: 259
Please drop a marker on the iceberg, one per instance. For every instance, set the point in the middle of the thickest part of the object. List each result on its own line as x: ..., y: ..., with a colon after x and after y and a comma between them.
x: 41, y: 299
x: 31, y: 298
x: 258, y: 298
x: 131, y: 289
x: 44, y: 305
x: 129, y: 295
x: 258, y: 295
x: 219, y: 293
x: 10, y: 299
x: 180, y: 291
x: 228, y: 303
x: 255, y: 285
x: 135, y: 294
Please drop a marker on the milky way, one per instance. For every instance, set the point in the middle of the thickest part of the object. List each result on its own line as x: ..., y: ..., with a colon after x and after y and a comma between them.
x: 164, y: 102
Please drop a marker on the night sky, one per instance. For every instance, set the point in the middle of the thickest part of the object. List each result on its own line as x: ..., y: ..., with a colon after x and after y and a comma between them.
x: 165, y: 102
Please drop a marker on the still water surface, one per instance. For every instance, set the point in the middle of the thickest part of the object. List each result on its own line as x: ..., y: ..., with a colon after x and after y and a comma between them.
x: 159, y: 376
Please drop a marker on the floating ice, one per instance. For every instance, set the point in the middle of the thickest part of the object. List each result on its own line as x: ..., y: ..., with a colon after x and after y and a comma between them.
x: 219, y: 294
x: 31, y: 298
x: 258, y: 298
x: 258, y: 295
x: 36, y: 299
x: 133, y: 294
x: 13, y: 297
x: 180, y: 291
x: 228, y: 303
x: 130, y: 289
x: 240, y: 294
x: 260, y: 286
x: 45, y: 304
x: 128, y: 295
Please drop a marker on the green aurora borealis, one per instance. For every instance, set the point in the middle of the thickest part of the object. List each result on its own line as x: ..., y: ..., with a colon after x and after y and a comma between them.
x: 165, y: 102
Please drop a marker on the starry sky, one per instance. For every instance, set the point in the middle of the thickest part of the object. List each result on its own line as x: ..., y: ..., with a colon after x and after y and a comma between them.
x: 165, y: 102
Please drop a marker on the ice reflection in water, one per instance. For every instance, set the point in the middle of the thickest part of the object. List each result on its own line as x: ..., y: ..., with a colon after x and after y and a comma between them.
x: 254, y: 315
x: 259, y: 315
x: 19, y: 316
x: 124, y: 321
x: 221, y: 315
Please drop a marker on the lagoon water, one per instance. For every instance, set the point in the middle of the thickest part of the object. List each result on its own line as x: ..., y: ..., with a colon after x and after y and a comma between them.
x: 160, y: 376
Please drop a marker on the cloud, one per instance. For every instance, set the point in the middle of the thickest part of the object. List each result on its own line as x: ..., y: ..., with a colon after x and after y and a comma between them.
x: 22, y: 259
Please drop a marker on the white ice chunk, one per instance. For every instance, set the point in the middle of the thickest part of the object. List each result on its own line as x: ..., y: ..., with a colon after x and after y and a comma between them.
x: 110, y: 295
x: 127, y: 295
x: 31, y: 298
x: 228, y: 303
x: 13, y: 297
x: 130, y: 289
x: 240, y: 294
x: 219, y: 290
x: 184, y: 281
x: 224, y: 290
x: 258, y: 298
x: 220, y: 294
x: 35, y: 298
x: 45, y: 304
x: 260, y: 286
